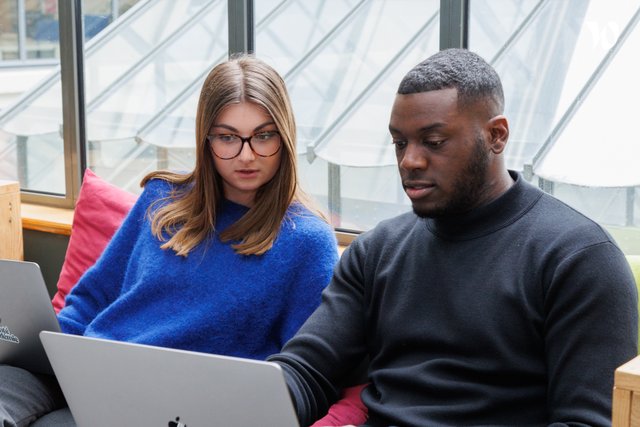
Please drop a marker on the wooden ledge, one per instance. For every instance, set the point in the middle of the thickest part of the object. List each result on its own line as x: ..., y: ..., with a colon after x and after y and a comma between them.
x: 58, y: 221
x: 627, y: 376
x: 46, y: 219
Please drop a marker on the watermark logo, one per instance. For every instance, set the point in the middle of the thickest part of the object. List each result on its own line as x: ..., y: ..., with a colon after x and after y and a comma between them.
x: 603, y: 35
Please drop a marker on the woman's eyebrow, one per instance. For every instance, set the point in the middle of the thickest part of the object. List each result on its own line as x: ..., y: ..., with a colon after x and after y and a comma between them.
x: 232, y: 129
x: 265, y: 124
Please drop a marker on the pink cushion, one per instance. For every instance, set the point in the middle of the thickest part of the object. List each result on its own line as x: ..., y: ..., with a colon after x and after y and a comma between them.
x: 349, y: 410
x: 99, y: 211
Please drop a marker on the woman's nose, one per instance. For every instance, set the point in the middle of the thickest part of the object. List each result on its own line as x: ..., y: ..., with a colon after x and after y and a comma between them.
x: 246, y: 154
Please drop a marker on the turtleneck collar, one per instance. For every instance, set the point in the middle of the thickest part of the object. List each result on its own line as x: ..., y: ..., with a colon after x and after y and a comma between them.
x: 489, y: 218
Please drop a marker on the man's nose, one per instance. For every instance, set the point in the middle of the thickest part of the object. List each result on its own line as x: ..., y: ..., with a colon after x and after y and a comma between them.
x: 413, y: 157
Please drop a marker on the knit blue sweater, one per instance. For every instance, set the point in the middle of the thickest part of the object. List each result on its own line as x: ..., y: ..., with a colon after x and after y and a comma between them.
x: 213, y: 300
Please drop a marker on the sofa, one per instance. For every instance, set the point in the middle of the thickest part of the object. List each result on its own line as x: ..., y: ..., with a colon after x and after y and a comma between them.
x: 99, y: 199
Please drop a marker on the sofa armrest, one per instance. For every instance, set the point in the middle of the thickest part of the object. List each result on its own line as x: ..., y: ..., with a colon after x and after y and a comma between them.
x: 626, y: 395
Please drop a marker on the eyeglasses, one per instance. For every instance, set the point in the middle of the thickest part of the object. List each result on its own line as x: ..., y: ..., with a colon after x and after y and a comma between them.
x: 226, y: 146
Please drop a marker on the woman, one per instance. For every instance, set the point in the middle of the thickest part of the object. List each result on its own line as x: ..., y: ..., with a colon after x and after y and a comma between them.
x: 227, y: 259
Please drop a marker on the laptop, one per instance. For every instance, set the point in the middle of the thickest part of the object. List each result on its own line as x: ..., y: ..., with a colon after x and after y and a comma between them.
x: 25, y: 310
x: 109, y: 383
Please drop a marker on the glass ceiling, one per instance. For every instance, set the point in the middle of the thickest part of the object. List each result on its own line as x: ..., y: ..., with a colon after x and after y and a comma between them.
x: 561, y: 122
x: 342, y: 69
x: 112, y: 82
x: 365, y: 62
x: 313, y: 22
x: 595, y: 142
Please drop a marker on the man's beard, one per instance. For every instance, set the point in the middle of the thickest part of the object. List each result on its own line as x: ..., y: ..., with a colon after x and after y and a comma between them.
x: 467, y: 188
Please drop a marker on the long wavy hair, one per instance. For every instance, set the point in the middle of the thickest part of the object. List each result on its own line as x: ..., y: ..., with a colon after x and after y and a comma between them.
x: 188, y: 215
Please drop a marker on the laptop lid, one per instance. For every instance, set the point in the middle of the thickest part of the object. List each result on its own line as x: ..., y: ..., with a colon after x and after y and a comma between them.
x: 25, y: 310
x: 109, y: 383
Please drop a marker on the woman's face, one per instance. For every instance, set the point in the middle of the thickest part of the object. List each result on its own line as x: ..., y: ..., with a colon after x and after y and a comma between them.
x: 245, y: 173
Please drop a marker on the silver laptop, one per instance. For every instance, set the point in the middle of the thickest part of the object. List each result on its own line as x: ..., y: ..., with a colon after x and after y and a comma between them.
x: 109, y: 383
x: 25, y: 310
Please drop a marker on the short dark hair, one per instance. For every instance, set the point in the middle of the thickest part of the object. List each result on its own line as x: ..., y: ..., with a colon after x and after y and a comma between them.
x: 473, y: 78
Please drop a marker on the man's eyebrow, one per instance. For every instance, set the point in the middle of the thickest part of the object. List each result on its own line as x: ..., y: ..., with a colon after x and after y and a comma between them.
x: 425, y: 129
x: 232, y: 129
x: 432, y: 127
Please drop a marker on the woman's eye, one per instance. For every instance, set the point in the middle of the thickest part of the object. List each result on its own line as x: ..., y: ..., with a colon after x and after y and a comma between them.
x: 264, y: 136
x: 225, y: 137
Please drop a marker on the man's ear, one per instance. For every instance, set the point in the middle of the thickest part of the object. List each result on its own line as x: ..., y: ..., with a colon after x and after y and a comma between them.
x: 498, y: 128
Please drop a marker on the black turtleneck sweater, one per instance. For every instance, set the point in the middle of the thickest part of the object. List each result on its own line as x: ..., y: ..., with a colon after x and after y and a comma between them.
x: 517, y: 313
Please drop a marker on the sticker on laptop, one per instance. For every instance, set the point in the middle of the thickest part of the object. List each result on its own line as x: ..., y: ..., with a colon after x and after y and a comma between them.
x: 176, y: 423
x: 6, y: 335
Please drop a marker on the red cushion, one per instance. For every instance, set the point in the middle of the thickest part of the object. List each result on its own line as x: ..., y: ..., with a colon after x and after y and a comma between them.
x: 349, y: 410
x: 99, y: 211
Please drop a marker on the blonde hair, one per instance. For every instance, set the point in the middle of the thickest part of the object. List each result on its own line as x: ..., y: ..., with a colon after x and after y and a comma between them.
x: 188, y: 215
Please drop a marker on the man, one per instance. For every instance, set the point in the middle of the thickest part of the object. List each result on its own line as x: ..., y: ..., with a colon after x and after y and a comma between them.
x: 492, y: 303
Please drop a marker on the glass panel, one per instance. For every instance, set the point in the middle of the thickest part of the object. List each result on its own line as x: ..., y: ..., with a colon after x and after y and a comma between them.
x: 124, y: 5
x: 42, y: 29
x: 24, y: 64
x: 342, y: 61
x: 29, y: 47
x: 133, y: 71
x: 28, y: 158
x: 144, y: 119
x: 8, y: 30
x: 493, y: 23
x: 97, y: 14
x: 567, y: 69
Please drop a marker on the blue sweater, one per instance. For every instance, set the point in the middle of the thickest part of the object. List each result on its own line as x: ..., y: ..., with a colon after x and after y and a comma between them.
x: 213, y: 300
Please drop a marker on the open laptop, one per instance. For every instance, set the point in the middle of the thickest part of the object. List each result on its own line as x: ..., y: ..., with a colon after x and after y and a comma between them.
x: 109, y: 383
x: 25, y: 310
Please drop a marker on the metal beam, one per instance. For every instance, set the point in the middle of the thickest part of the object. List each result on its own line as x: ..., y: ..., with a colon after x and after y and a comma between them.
x: 71, y: 38
x: 22, y: 31
x: 454, y: 24
x: 241, y: 26
x: 334, y: 195
x: 72, y: 81
x: 630, y: 206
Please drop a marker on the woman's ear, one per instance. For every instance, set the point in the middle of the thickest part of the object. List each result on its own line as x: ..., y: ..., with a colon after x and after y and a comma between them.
x: 498, y: 128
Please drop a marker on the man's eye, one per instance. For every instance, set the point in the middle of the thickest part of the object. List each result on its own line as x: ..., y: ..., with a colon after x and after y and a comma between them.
x: 433, y: 143
x: 400, y: 144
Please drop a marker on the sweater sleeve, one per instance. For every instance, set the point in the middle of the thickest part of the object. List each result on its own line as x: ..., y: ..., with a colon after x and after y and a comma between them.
x: 330, y: 343
x: 316, y: 255
x: 100, y: 285
x: 590, y: 330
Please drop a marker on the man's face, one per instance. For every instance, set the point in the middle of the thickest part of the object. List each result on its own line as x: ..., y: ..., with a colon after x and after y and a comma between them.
x: 441, y: 151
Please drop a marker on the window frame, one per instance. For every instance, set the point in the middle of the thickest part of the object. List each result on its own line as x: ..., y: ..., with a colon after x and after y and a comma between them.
x: 454, y: 29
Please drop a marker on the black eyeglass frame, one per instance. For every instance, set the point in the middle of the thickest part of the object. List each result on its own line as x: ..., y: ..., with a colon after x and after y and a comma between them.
x: 242, y: 142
